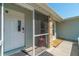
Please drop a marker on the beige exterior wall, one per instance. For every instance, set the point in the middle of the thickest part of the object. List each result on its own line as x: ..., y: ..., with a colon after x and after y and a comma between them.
x: 69, y: 29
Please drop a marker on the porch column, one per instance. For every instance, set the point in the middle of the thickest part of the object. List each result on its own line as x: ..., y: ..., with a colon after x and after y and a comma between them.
x: 33, y: 32
x: 2, y: 28
x: 50, y: 31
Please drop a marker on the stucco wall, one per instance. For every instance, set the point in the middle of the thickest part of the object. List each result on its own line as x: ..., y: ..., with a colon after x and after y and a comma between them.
x: 69, y: 29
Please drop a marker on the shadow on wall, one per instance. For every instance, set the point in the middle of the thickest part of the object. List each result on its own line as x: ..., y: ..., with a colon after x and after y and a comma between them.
x: 75, y: 49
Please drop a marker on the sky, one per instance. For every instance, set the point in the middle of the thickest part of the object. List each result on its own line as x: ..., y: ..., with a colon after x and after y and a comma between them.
x: 65, y: 10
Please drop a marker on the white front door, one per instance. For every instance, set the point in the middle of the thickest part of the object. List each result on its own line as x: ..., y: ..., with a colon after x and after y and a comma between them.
x: 13, y: 29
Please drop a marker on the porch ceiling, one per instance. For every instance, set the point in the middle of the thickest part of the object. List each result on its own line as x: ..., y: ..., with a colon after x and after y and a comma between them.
x: 51, y: 12
x: 43, y: 8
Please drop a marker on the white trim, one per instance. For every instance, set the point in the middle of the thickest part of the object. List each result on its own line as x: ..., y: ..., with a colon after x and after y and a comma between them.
x: 25, y: 6
x: 0, y: 42
x: 41, y: 34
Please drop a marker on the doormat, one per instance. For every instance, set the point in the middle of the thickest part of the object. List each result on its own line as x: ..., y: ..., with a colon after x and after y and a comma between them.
x: 56, y: 42
x: 45, y: 53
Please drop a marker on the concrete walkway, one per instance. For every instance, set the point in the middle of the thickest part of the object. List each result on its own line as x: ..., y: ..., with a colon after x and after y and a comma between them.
x: 66, y: 48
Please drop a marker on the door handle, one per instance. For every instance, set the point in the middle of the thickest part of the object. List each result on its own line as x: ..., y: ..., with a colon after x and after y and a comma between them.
x: 23, y: 29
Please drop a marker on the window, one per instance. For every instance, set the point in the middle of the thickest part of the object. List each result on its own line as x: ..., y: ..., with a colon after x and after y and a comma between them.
x: 19, y: 25
x: 53, y: 29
